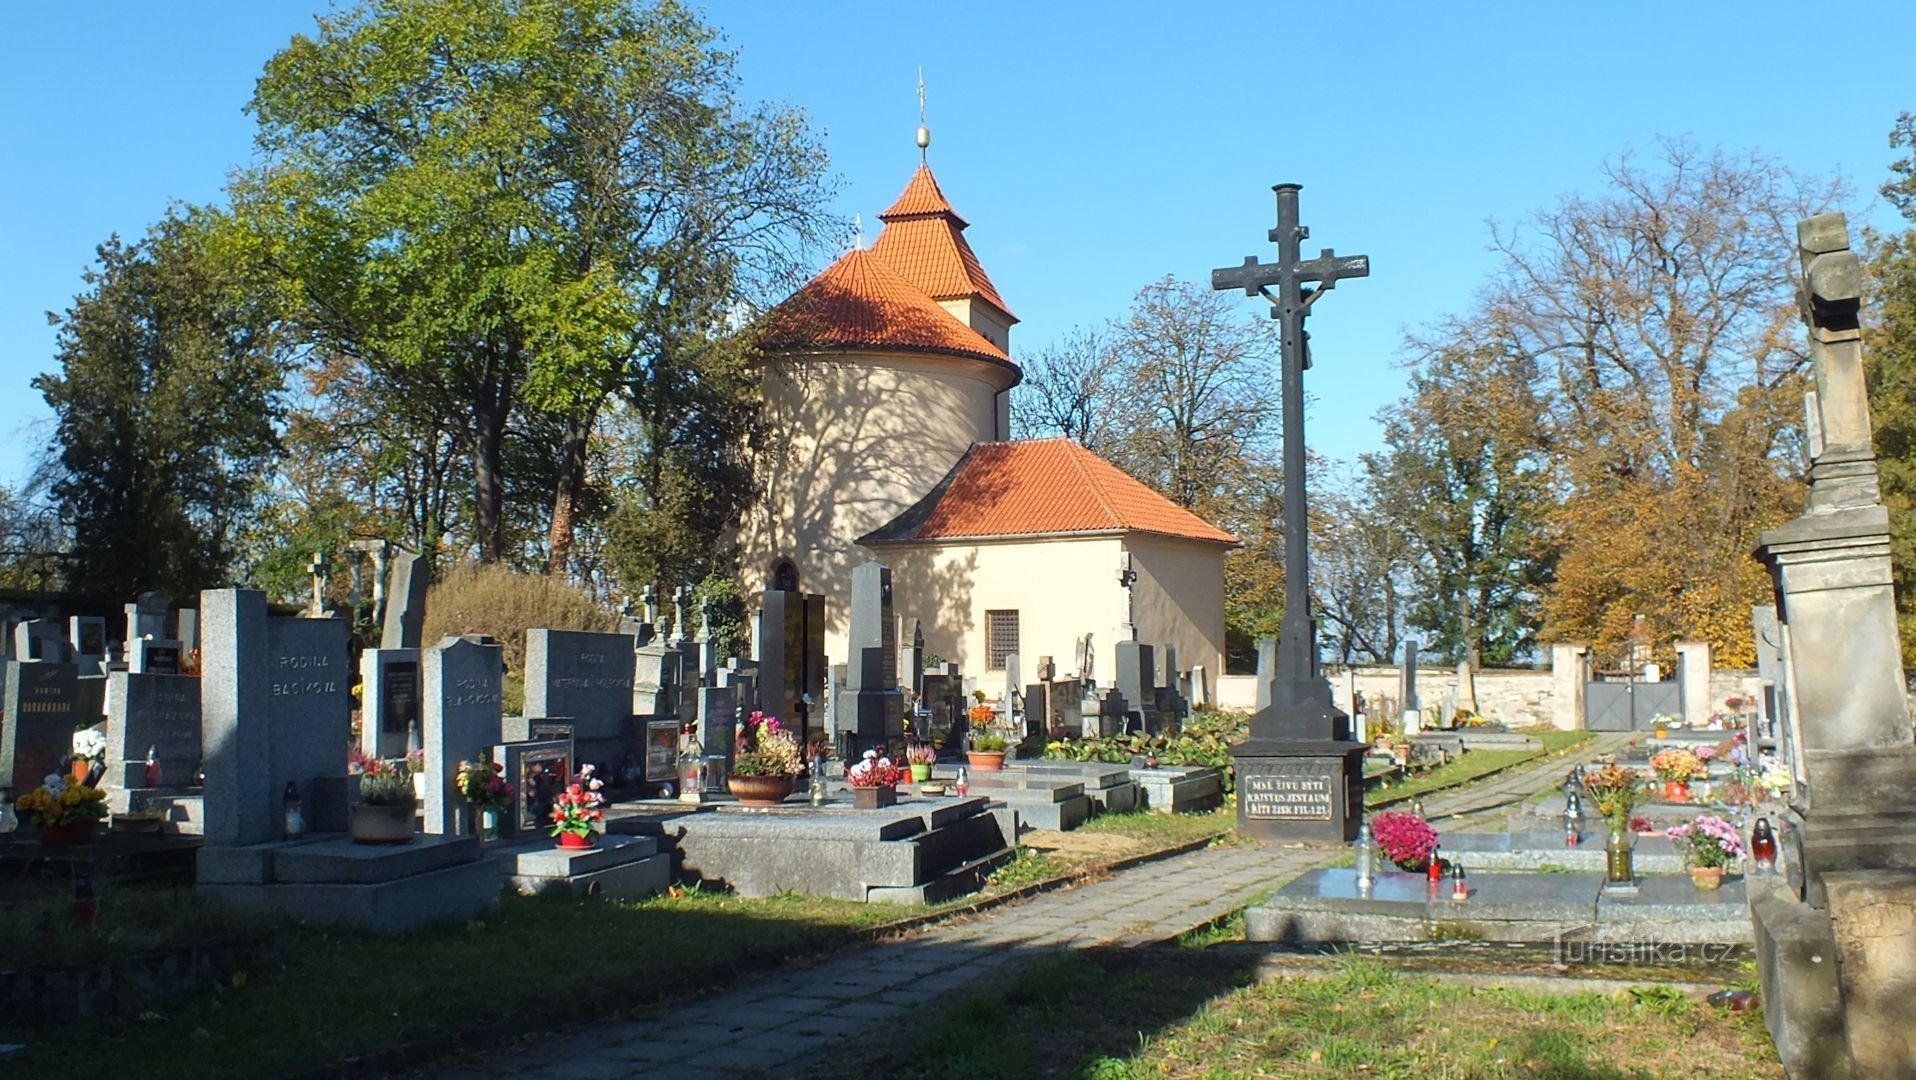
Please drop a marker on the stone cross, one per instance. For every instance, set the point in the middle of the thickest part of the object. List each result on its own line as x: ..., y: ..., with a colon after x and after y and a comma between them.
x: 1843, y: 473
x: 1301, y: 694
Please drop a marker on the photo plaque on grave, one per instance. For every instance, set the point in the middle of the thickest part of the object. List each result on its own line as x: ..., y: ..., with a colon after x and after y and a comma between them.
x: 399, y: 691
x: 543, y: 773
x: 661, y: 751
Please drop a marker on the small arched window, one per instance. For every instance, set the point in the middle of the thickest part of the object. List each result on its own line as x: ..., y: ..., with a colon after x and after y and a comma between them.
x: 784, y: 576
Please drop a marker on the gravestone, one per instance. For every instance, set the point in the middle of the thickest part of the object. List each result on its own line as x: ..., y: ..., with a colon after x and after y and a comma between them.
x: 39, y: 639
x: 146, y: 617
x: 1836, y: 938
x: 152, y: 712
x: 586, y: 677
x: 938, y: 694
x: 87, y: 636
x: 275, y: 709
x: 1171, y: 700
x: 538, y: 769
x: 389, y: 702
x: 37, y: 720
x: 1773, y: 713
x: 1266, y: 671
x: 153, y: 656
x: 1466, y: 690
x: 1136, y: 681
x: 1413, y: 715
x: 874, y: 707
x: 1010, y: 699
x: 460, y: 719
x: 717, y: 728
x: 405, y: 603
x: 791, y: 660
x: 911, y: 660
x: 186, y: 629
x: 741, y: 677
x: 658, y: 679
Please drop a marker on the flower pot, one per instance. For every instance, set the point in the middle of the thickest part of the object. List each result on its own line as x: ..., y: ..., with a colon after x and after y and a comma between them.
x: 1662, y: 733
x: 1707, y: 877
x: 920, y: 773
x: 1401, y: 751
x: 489, y: 824
x: 81, y: 767
x: 985, y: 760
x: 872, y: 798
x: 71, y: 834
x: 1617, y: 860
x: 575, y: 840
x: 759, y: 790
x: 381, y: 824
x: 1676, y: 791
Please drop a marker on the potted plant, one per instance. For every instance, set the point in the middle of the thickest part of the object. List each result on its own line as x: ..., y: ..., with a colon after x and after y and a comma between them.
x: 985, y: 752
x: 384, y: 812
x: 1676, y: 767
x: 484, y: 786
x: 1616, y: 791
x: 1707, y: 844
x: 1405, y: 839
x: 921, y: 757
x: 874, y: 781
x: 66, y: 813
x: 766, y: 759
x: 574, y: 811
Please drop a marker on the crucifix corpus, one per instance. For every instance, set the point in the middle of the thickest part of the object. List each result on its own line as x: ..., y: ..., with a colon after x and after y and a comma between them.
x: 1299, y: 776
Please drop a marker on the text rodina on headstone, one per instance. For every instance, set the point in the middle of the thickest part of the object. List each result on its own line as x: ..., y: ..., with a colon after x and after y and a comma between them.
x: 586, y: 677
x: 160, y: 713
x: 461, y: 720
x: 37, y: 724
x: 1300, y: 735
x: 275, y: 708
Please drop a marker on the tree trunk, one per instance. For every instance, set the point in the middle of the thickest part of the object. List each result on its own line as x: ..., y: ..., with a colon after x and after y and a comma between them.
x: 565, y: 497
x: 488, y: 497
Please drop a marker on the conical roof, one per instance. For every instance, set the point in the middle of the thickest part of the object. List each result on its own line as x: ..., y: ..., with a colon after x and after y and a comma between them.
x: 924, y: 240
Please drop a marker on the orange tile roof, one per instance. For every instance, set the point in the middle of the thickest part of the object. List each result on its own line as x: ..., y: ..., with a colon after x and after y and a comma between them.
x: 924, y: 240
x: 1040, y: 487
x: 861, y: 302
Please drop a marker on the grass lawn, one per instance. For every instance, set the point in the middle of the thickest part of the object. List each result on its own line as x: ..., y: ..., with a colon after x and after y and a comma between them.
x: 1471, y: 765
x: 341, y: 995
x: 1111, y: 837
x: 1197, y: 1013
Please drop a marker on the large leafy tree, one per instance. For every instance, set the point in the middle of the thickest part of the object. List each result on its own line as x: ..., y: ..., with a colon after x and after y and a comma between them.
x: 1891, y: 369
x: 510, y: 211
x: 172, y: 367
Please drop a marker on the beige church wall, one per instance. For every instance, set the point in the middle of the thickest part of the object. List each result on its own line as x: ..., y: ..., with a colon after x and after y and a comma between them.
x: 855, y: 439
x: 1179, y: 598
x: 1062, y: 590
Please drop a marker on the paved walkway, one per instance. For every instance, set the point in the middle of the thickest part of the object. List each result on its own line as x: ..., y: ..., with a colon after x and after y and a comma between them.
x: 784, y: 1022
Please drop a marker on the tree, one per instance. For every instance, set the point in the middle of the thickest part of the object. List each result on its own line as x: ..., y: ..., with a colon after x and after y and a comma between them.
x: 1890, y: 367
x: 169, y: 390
x: 1661, y: 318
x: 1465, y: 476
x: 1071, y: 387
x: 503, y: 208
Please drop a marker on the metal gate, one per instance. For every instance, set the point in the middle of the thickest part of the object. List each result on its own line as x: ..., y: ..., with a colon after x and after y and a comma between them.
x: 1629, y: 706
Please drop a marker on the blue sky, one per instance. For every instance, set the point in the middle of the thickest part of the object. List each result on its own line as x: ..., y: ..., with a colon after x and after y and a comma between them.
x: 1094, y: 147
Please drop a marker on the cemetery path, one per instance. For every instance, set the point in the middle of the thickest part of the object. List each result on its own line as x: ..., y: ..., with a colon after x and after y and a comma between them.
x: 1519, y: 784
x: 794, y: 1017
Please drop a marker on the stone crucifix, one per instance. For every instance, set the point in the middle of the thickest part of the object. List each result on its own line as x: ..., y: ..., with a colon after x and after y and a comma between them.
x: 1283, y: 284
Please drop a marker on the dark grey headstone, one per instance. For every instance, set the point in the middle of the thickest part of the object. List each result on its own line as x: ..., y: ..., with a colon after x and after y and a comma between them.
x: 791, y: 660
x: 157, y: 712
x: 460, y: 719
x: 87, y: 635
x: 389, y: 702
x: 37, y: 725
x: 309, y: 690
x: 154, y: 656
x: 1137, y: 679
x: 583, y: 675
x: 405, y: 603
x: 874, y: 710
x: 718, y: 722
x: 538, y: 770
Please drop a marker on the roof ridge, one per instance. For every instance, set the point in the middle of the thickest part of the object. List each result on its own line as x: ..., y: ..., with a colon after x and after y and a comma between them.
x: 1077, y: 455
x: 860, y: 299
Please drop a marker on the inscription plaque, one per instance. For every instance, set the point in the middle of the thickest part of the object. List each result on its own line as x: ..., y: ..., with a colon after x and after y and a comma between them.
x: 1287, y: 791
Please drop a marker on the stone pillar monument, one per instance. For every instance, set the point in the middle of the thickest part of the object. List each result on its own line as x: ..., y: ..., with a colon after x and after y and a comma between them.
x: 875, y: 709
x: 1836, y: 937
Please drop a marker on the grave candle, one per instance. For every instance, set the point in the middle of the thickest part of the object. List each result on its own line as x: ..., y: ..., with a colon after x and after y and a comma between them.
x: 1458, y: 890
x: 1763, y: 845
x: 1364, y: 858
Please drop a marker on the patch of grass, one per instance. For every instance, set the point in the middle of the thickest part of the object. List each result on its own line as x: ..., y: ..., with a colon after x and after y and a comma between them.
x: 1183, y: 1013
x: 1166, y: 830
x: 345, y: 994
x: 1028, y: 868
x: 41, y: 931
x: 1472, y: 765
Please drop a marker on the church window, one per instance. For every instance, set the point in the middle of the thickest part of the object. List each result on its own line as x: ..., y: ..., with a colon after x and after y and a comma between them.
x: 784, y: 576
x: 1001, y: 638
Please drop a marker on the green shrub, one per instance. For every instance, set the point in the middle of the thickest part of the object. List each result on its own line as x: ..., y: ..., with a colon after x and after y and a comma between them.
x: 503, y: 604
x: 1205, y: 740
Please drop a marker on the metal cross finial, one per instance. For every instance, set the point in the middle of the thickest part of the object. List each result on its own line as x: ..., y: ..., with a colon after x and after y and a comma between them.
x: 924, y: 133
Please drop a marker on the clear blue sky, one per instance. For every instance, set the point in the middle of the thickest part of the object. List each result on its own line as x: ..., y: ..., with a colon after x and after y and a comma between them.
x: 1093, y: 146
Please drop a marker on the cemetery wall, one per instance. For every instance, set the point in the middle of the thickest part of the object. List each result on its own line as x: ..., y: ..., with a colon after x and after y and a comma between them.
x: 1061, y: 589
x: 1514, y: 696
x: 863, y: 442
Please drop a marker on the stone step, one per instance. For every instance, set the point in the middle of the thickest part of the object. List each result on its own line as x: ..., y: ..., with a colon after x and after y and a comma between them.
x: 1179, y: 789
x: 960, y: 880
x: 616, y: 868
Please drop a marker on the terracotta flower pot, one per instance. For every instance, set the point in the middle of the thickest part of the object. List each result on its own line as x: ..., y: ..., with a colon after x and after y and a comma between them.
x: 575, y: 840
x: 985, y: 760
x: 1676, y: 791
x: 380, y: 824
x: 1707, y: 877
x: 873, y: 798
x: 759, y: 790
x: 71, y: 834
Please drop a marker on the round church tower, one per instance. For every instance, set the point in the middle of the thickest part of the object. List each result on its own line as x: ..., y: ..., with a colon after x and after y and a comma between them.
x: 883, y: 370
